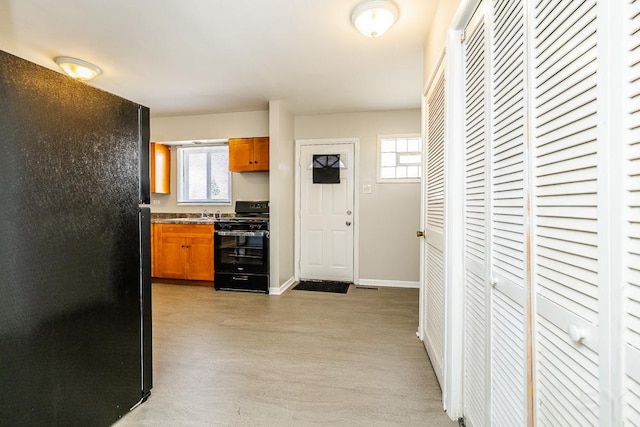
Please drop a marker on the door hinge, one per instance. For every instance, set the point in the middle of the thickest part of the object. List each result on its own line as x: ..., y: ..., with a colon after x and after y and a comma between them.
x: 463, y: 36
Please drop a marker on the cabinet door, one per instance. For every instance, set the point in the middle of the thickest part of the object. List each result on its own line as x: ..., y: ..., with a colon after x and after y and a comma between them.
x: 172, y: 255
x: 200, y: 258
x: 261, y: 153
x: 160, y: 168
x: 240, y: 154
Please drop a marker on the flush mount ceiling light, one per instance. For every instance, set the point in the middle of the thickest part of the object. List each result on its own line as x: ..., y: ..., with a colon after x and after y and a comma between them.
x: 374, y: 17
x: 77, y: 68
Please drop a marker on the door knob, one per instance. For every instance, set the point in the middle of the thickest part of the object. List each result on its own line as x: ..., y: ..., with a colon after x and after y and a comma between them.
x: 576, y: 334
x: 419, y: 233
x: 348, y: 223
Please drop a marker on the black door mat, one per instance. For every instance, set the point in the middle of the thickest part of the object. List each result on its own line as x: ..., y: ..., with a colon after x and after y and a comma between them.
x: 322, y: 286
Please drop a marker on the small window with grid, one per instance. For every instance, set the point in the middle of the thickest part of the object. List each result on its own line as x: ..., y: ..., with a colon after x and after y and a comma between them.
x: 399, y: 158
x: 203, y: 175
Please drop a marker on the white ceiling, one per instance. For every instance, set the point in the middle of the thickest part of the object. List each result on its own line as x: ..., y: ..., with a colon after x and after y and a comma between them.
x: 206, y: 56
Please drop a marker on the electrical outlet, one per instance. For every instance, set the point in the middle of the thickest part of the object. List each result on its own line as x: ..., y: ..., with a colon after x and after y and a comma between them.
x: 156, y: 202
x: 366, y: 189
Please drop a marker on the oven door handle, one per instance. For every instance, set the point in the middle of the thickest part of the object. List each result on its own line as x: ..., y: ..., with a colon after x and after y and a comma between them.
x: 243, y: 233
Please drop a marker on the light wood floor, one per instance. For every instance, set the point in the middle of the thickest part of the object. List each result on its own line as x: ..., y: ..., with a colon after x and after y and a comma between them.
x: 303, y: 358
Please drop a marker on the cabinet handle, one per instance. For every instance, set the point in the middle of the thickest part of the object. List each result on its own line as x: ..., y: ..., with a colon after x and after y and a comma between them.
x: 256, y: 162
x: 250, y: 162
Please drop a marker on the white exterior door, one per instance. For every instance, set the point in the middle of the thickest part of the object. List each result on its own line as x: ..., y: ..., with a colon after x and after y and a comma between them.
x: 326, y: 214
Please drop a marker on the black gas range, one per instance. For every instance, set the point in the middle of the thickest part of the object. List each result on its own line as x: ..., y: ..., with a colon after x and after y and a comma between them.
x: 241, y: 249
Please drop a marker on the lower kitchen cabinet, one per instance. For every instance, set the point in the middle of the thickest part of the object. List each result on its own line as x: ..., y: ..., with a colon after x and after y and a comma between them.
x: 183, y: 251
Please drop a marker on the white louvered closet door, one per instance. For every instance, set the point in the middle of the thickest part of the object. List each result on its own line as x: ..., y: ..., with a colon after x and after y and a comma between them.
x: 476, y: 306
x: 508, y: 215
x: 631, y: 320
x: 564, y: 127
x: 434, y: 212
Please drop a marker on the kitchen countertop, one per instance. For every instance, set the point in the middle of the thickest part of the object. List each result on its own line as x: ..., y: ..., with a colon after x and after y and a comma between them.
x: 184, y: 218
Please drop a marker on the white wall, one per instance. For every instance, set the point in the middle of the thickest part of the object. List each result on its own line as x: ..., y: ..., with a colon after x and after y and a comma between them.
x: 246, y: 186
x: 281, y: 193
x: 436, y: 37
x: 390, y: 215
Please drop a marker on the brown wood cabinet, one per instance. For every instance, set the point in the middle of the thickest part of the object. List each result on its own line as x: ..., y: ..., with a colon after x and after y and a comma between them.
x: 160, y: 156
x: 182, y: 251
x: 249, y: 154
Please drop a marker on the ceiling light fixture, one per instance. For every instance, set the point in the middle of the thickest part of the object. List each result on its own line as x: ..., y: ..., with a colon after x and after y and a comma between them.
x: 77, y: 68
x: 374, y: 17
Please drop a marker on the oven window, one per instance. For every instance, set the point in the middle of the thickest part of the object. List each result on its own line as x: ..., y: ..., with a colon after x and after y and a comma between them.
x: 241, y: 253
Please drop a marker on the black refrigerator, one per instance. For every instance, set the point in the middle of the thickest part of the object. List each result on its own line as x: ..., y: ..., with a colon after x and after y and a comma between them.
x: 75, y: 282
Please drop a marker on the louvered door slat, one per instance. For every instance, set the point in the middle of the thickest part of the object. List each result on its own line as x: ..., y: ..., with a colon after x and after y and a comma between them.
x: 553, y: 140
x: 558, y: 121
x: 475, y: 306
x: 567, y: 21
x: 581, y: 68
x: 567, y: 259
x: 507, y: 146
x: 565, y: 203
x: 435, y: 165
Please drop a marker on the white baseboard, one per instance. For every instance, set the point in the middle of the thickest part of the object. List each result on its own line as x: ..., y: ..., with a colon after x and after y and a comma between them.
x: 389, y: 283
x: 282, y: 288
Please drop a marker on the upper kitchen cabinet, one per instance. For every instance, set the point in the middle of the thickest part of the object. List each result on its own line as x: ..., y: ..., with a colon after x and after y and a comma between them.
x: 160, y: 168
x: 249, y: 154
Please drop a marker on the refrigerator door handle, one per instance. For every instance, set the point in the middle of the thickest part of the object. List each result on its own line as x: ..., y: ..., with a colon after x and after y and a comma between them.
x: 144, y: 136
x: 145, y: 302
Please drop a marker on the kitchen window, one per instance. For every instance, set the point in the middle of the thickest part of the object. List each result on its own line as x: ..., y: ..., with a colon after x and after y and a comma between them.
x: 203, y: 175
x: 399, y: 158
